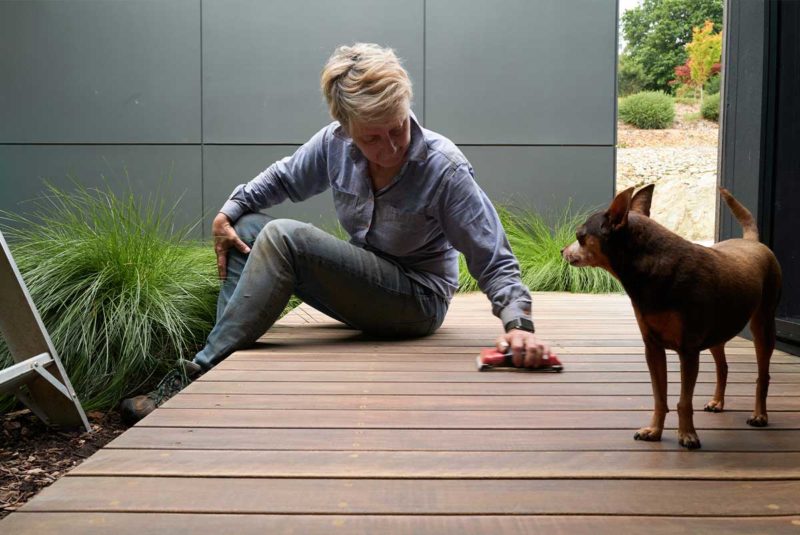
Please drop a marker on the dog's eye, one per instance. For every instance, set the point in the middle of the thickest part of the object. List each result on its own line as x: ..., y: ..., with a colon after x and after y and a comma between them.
x: 581, y: 235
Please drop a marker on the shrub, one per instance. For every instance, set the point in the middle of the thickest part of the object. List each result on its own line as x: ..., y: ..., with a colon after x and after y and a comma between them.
x: 630, y: 76
x: 712, y: 86
x: 121, y: 291
x: 710, y: 107
x: 648, y: 109
x: 537, y: 245
x: 683, y: 77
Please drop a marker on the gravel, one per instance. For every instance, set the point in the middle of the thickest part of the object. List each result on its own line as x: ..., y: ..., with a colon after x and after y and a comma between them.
x: 682, y: 162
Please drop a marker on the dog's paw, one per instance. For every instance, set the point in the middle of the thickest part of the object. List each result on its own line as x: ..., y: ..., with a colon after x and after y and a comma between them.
x: 758, y: 420
x: 714, y: 406
x: 650, y: 434
x: 689, y: 441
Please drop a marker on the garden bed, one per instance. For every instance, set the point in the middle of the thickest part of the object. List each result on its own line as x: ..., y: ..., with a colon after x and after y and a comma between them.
x: 33, y: 456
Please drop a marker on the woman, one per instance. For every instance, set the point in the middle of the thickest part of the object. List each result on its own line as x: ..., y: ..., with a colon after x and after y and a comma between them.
x: 407, y: 198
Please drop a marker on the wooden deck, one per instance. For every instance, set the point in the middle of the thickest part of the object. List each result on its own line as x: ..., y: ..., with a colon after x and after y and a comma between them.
x: 320, y: 431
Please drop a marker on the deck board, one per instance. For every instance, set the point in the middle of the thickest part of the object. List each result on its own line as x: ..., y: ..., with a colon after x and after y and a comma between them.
x: 259, y: 524
x: 320, y: 429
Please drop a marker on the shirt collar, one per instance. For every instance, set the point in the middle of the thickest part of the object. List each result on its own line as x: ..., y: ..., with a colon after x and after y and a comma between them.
x: 417, y: 148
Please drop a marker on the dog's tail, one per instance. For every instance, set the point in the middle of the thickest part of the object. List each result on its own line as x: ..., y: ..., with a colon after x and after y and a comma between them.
x: 742, y: 214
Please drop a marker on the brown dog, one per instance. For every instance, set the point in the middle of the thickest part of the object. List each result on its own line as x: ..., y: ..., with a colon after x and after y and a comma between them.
x: 686, y: 297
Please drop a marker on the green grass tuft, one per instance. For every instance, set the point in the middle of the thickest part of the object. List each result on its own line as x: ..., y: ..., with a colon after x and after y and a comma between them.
x: 710, y: 107
x: 537, y: 244
x: 122, y: 292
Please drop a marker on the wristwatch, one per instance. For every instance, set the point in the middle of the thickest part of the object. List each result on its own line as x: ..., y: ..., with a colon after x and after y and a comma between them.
x: 522, y: 324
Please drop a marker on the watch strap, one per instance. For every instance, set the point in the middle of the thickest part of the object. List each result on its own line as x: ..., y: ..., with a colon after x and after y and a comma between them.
x: 522, y: 324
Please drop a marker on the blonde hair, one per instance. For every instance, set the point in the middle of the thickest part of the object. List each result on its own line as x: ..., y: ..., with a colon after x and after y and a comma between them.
x: 365, y: 82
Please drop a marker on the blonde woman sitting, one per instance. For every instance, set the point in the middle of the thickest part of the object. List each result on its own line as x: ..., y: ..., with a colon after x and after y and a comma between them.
x: 407, y: 197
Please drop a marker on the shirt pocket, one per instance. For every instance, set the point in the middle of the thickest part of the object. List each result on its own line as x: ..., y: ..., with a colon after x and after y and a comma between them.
x: 399, y: 232
x: 347, y: 210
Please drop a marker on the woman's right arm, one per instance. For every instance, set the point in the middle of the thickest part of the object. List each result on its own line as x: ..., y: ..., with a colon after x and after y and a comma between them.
x: 296, y: 177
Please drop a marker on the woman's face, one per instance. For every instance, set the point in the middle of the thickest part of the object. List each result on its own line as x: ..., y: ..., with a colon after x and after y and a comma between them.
x: 384, y: 143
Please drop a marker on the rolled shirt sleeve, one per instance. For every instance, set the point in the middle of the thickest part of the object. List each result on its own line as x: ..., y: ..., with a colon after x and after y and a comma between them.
x: 472, y: 226
x: 296, y: 177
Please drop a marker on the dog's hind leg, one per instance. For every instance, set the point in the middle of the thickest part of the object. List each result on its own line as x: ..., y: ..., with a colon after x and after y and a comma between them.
x: 718, y: 401
x: 762, y: 325
x: 657, y: 365
x: 687, y: 434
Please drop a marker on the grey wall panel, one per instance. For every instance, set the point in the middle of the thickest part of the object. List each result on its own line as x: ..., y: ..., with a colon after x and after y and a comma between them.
x: 228, y: 166
x: 99, y: 71
x: 544, y: 178
x: 169, y: 173
x: 741, y: 119
x: 262, y: 61
x: 521, y: 72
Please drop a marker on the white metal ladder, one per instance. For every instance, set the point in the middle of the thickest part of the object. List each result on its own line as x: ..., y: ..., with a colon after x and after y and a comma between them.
x: 38, y: 378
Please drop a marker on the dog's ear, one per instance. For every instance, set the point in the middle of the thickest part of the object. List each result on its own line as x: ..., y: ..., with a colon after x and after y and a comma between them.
x: 617, y: 213
x: 642, y: 200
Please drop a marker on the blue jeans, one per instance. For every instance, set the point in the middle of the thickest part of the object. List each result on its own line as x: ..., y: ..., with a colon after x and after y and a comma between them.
x: 348, y: 283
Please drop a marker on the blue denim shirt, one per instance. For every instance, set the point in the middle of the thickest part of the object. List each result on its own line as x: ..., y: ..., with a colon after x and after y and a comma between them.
x: 431, y: 209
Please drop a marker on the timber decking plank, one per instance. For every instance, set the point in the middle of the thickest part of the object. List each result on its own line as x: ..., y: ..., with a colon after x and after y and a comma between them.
x: 468, y: 365
x: 431, y: 344
x: 417, y: 350
x: 195, y: 438
x: 494, y: 376
x: 473, y: 389
x: 214, y: 524
x: 420, y: 496
x: 444, y: 465
x: 263, y: 418
x: 450, y: 403
x: 469, y: 356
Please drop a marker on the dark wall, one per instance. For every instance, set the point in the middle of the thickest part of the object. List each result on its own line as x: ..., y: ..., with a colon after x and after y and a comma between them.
x: 782, y: 174
x: 743, y: 94
x: 760, y: 157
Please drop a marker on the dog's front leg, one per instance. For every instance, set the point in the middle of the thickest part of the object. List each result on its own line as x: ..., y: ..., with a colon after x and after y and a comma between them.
x: 657, y: 364
x: 687, y: 435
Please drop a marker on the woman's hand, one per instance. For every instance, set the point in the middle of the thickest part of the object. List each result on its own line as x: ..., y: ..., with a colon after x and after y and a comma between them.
x: 526, y: 348
x: 225, y: 237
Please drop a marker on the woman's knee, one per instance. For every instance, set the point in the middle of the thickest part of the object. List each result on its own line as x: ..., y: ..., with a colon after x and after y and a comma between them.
x: 287, y: 233
x: 249, y: 226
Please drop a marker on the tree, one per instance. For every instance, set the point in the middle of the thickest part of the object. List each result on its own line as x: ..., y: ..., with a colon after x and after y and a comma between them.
x: 704, y: 51
x: 657, y: 32
x: 630, y: 76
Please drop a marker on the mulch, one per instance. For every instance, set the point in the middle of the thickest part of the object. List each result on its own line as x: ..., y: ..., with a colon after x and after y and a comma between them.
x: 32, y: 456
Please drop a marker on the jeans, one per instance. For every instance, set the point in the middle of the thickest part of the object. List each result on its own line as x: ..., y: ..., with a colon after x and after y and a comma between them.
x: 348, y: 283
